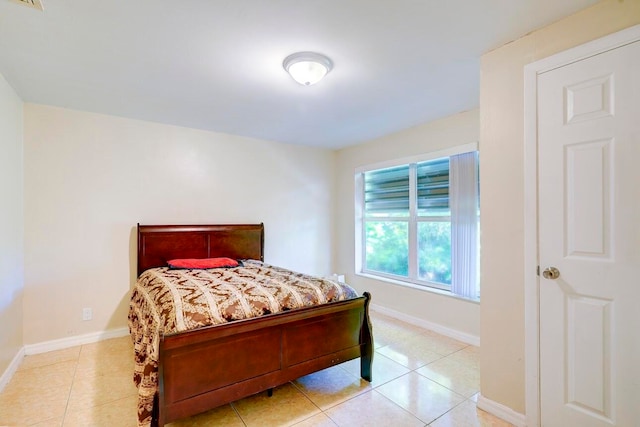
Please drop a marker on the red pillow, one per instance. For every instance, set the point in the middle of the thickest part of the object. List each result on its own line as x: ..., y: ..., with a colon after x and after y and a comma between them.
x: 202, y: 263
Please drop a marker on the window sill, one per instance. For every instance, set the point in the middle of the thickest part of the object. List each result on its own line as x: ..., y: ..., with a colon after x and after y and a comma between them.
x: 419, y: 287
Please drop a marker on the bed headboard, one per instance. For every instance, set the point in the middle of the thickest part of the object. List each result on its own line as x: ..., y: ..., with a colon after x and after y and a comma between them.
x: 159, y: 243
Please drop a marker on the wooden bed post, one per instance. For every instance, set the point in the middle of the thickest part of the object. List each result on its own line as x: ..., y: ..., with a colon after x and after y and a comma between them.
x: 366, y: 357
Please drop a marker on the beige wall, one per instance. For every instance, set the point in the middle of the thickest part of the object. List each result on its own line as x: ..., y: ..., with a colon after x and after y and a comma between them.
x: 90, y: 178
x: 452, y: 313
x: 11, y: 225
x: 502, y: 182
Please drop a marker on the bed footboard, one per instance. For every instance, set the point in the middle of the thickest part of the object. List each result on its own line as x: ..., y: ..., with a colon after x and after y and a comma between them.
x: 205, y: 368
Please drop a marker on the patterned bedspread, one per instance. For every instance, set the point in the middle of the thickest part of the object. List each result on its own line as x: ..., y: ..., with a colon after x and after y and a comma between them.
x: 168, y: 301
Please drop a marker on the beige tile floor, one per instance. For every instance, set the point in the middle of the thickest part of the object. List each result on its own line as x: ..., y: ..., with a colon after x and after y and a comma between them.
x: 420, y: 378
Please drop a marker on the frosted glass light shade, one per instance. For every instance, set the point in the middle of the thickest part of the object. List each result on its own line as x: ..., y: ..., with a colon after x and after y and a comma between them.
x: 307, y: 68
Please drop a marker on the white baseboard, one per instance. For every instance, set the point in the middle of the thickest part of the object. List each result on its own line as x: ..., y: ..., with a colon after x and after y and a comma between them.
x: 59, y: 344
x: 11, y: 369
x: 62, y: 343
x: 443, y: 330
x: 501, y: 411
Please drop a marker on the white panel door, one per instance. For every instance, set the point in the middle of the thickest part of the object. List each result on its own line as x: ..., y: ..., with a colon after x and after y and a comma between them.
x: 589, y: 230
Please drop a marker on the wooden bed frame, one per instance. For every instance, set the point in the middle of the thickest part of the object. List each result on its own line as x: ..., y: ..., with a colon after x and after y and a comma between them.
x: 212, y: 366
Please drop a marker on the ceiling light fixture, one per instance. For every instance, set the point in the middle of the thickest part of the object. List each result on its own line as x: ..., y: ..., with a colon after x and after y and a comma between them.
x: 307, y: 68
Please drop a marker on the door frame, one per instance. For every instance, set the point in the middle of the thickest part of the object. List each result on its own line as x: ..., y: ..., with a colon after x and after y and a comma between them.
x: 531, y: 279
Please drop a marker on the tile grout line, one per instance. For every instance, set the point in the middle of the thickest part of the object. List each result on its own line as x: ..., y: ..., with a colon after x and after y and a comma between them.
x: 370, y: 387
x: 400, y: 407
x: 237, y: 413
x: 309, y: 399
x: 415, y: 370
x: 73, y: 380
x: 429, y: 379
x: 448, y: 388
x: 47, y: 366
x: 446, y: 412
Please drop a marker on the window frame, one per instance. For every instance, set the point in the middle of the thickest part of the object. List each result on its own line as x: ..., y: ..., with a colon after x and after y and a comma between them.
x: 413, y: 219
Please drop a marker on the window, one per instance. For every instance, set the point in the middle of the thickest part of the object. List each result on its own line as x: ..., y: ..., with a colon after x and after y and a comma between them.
x: 417, y: 221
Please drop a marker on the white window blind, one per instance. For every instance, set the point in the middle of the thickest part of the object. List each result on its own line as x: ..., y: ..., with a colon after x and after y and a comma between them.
x: 418, y: 222
x: 386, y: 191
x: 464, y: 224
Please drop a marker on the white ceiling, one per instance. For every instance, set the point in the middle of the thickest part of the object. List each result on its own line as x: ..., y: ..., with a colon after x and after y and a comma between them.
x: 217, y: 64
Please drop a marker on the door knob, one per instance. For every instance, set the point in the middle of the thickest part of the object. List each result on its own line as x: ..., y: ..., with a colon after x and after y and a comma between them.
x: 551, y: 273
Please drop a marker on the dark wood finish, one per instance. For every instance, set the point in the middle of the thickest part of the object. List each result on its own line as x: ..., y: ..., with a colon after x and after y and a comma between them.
x: 158, y: 244
x: 208, y: 367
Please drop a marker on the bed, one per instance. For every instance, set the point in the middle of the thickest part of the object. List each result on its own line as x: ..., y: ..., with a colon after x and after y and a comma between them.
x: 197, y: 370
